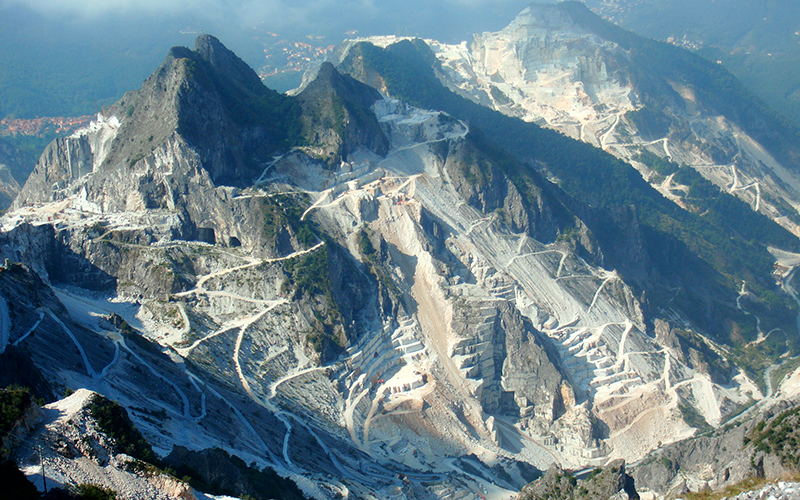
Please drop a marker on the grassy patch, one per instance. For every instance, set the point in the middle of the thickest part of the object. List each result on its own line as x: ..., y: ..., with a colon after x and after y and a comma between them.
x: 693, y: 418
x: 14, y: 400
x: 779, y: 436
x: 786, y: 367
x: 730, y: 491
x: 661, y: 165
x: 286, y: 211
x: 113, y: 420
x: 87, y: 491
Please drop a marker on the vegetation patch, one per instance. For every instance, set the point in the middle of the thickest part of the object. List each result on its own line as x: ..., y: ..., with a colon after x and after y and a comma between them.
x: 14, y: 400
x: 88, y: 491
x: 113, y: 420
x: 779, y: 436
x: 309, y: 275
x: 217, y: 472
x: 371, y: 259
x: 783, y: 370
x: 661, y: 165
x: 285, y: 210
x: 693, y: 418
x: 248, y: 102
x: 730, y: 491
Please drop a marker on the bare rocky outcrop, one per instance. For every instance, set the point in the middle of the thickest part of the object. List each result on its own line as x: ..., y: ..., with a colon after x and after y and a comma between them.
x: 366, y: 304
x: 30, y: 417
x: 728, y: 456
x: 610, y: 482
x: 76, y: 451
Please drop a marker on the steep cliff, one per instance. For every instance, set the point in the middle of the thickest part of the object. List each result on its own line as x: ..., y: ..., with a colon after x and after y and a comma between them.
x: 607, y: 483
x: 347, y: 289
x: 563, y: 67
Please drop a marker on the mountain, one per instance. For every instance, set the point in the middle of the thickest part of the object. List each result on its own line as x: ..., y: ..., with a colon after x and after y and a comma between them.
x: 756, y: 41
x: 608, y: 483
x: 373, y: 299
x: 705, y: 261
x: 15, y: 166
x: 74, y: 59
x: 74, y: 434
x: 565, y: 68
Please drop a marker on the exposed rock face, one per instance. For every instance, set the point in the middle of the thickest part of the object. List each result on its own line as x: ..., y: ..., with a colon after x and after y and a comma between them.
x: 485, y: 188
x: 758, y: 445
x: 563, y: 67
x: 421, y: 300
x: 610, y: 482
x: 696, y: 464
x: 543, y: 67
x: 75, y: 451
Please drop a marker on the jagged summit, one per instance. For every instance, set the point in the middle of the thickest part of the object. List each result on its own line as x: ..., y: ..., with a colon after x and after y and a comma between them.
x: 547, y: 16
x: 206, y: 100
x: 223, y: 60
x: 208, y: 107
x: 337, y: 118
x: 348, y: 88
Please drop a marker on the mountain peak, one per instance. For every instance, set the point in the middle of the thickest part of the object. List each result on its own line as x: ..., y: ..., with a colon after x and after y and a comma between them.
x: 545, y: 16
x: 208, y: 98
x: 208, y: 43
x: 179, y: 53
x: 573, y: 16
x: 337, y: 118
x: 326, y: 71
x: 223, y: 60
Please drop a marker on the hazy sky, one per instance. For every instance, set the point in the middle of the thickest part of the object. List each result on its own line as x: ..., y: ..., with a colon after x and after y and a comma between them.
x: 447, y: 18
x: 60, y: 57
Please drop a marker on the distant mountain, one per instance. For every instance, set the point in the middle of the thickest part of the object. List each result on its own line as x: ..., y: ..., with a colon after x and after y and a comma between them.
x: 70, y: 65
x: 756, y: 41
x: 71, y: 60
x: 565, y: 68
x: 15, y: 166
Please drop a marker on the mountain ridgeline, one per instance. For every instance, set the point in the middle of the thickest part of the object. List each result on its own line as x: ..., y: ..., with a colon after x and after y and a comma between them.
x: 378, y: 296
x: 660, y: 247
x: 656, y: 62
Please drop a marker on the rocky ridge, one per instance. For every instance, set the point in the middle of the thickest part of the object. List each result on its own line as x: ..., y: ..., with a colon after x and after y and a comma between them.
x: 607, y: 483
x: 346, y: 324
x: 564, y: 68
x: 74, y: 451
x: 782, y: 490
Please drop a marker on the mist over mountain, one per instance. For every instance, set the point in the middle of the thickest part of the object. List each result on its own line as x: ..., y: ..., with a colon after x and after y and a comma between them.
x: 69, y: 58
x: 757, y: 41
